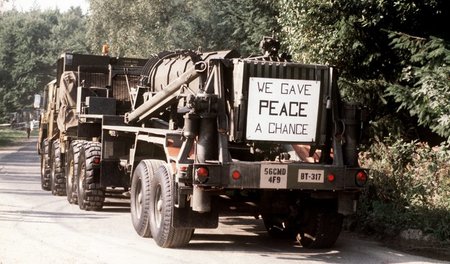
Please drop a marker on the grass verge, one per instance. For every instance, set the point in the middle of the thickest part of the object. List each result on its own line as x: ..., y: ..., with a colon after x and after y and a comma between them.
x: 11, y: 137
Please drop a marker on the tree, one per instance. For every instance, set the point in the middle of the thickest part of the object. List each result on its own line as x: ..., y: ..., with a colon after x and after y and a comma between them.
x: 354, y: 36
x: 239, y: 24
x: 423, y: 87
x: 68, y: 32
x: 22, y: 58
x: 139, y: 28
x: 30, y: 43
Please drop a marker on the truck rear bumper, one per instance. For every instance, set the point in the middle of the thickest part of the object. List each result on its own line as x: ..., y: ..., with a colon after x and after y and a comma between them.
x: 277, y: 175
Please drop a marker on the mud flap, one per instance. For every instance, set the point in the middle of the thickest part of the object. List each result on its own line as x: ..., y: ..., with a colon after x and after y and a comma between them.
x: 347, y: 203
x: 186, y: 218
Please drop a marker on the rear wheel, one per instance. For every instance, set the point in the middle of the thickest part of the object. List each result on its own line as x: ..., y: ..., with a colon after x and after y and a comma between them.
x: 161, y: 212
x: 45, y: 168
x: 321, y: 227
x: 140, y: 195
x: 73, y: 157
x: 90, y: 194
x: 58, y: 180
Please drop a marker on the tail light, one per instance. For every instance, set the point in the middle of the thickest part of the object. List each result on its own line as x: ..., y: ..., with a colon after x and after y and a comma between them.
x: 331, y: 177
x: 236, y: 175
x: 361, y: 178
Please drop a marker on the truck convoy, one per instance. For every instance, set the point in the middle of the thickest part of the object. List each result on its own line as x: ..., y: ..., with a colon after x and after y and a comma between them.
x: 185, y: 131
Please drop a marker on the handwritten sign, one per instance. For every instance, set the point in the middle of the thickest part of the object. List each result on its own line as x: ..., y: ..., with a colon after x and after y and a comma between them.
x: 282, y: 109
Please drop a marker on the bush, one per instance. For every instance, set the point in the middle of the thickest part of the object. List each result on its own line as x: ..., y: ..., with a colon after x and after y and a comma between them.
x: 409, y: 188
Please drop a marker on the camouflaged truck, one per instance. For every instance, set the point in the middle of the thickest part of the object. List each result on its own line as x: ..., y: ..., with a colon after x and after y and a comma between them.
x: 86, y: 89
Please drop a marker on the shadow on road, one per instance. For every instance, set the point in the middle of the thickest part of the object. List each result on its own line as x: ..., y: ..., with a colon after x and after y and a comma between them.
x: 24, y: 156
x: 116, y: 207
x: 23, y: 192
x: 257, y: 241
x: 42, y: 216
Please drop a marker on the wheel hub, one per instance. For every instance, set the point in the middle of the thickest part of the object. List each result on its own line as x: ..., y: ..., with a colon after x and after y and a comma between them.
x: 138, y: 204
x: 159, y: 206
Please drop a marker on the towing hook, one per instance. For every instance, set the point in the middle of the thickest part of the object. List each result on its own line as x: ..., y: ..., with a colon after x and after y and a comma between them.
x: 200, y: 66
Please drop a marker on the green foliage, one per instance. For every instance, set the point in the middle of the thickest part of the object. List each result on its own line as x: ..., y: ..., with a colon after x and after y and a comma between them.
x: 390, y: 62
x: 140, y: 28
x: 354, y: 36
x: 30, y: 43
x: 409, y: 188
x: 241, y: 24
x: 423, y: 88
x: 128, y: 26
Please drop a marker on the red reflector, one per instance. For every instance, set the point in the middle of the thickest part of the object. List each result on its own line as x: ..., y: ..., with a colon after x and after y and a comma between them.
x: 96, y: 160
x: 202, y: 172
x: 236, y: 175
x: 331, y: 177
x: 361, y: 178
x: 183, y: 168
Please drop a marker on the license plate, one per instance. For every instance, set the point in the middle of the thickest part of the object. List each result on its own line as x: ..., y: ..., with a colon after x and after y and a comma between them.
x: 310, y: 176
x: 274, y: 176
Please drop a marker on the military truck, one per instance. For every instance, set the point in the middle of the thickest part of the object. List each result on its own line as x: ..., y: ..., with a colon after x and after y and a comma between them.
x: 87, y: 87
x: 212, y: 127
x: 195, y: 133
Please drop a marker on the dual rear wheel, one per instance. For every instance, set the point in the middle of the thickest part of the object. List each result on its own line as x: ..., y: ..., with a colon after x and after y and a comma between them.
x: 152, y: 205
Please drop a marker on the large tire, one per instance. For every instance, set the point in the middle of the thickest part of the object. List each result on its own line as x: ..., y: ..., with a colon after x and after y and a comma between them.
x: 161, y: 212
x: 73, y: 157
x: 58, y: 179
x: 90, y: 194
x: 45, y: 168
x: 321, y: 228
x: 140, y: 195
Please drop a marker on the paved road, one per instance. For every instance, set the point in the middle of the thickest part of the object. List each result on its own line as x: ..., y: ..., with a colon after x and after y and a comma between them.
x: 36, y: 227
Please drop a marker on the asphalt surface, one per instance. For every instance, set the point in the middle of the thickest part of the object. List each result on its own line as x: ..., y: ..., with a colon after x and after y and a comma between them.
x: 36, y: 227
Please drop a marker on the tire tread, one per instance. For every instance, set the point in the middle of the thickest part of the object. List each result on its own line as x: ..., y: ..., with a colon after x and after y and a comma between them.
x: 58, y: 181
x: 45, y: 168
x: 94, y: 195
x: 167, y: 236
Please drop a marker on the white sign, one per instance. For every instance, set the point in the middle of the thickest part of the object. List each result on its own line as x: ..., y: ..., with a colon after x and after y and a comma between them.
x: 274, y: 176
x: 282, y: 109
x: 310, y: 176
x: 37, y: 101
